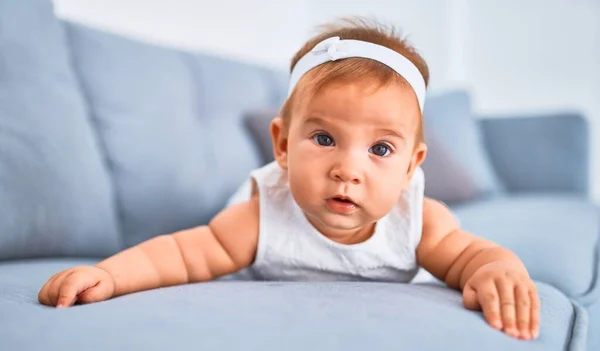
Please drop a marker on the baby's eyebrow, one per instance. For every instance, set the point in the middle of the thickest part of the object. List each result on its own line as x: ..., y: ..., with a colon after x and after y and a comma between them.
x: 392, y: 132
x: 315, y: 120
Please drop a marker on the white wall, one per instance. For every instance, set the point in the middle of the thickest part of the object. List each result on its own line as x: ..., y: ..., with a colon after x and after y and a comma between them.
x: 515, y: 55
x: 534, y: 53
x: 537, y: 55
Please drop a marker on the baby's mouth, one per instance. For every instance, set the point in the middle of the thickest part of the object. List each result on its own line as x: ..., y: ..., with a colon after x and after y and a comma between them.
x: 343, y: 200
x: 341, y: 205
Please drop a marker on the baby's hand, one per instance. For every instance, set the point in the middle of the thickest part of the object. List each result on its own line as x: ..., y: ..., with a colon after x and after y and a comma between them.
x: 508, y: 298
x: 84, y: 284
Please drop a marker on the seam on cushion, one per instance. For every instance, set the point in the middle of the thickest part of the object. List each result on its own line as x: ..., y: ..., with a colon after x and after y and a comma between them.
x: 199, y: 113
x: 577, y: 338
x: 67, y: 28
x: 593, y: 293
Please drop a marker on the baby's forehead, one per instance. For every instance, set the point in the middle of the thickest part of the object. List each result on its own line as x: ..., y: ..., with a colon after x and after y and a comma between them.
x: 369, y: 103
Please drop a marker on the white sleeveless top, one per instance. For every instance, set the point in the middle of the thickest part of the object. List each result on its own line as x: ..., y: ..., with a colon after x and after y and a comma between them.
x: 290, y: 248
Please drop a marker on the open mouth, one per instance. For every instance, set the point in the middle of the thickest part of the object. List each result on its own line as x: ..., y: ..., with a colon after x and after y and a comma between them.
x: 343, y: 200
x: 341, y: 205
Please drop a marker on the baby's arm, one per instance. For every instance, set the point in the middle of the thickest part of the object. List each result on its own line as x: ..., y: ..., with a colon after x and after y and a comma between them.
x: 491, y: 277
x: 225, y: 246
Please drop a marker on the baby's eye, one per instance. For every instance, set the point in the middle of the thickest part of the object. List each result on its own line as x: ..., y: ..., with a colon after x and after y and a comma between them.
x: 323, y: 139
x: 380, y: 150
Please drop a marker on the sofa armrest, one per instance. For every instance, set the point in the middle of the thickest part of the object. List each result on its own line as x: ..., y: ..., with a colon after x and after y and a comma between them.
x: 539, y: 153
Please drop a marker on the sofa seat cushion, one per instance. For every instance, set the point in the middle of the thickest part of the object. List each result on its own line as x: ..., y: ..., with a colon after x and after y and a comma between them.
x: 235, y: 315
x: 556, y: 236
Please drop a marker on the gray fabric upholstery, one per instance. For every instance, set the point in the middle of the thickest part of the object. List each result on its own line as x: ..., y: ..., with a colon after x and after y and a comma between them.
x: 539, y: 153
x: 594, y: 324
x: 172, y: 127
x: 555, y: 236
x: 236, y: 315
x: 457, y: 167
x: 258, y: 123
x: 55, y: 193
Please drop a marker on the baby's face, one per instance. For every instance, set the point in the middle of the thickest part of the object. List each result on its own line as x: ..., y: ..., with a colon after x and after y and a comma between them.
x: 351, y: 152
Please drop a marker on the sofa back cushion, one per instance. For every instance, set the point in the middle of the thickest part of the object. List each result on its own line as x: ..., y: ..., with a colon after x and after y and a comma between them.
x: 457, y: 167
x: 56, y: 197
x: 171, y: 123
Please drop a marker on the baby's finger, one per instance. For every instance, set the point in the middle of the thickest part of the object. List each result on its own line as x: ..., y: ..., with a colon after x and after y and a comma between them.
x: 470, y: 298
x: 523, y: 310
x: 507, y: 303
x: 490, y: 303
x: 535, y: 311
x: 43, y: 297
x: 69, y: 290
x: 54, y: 289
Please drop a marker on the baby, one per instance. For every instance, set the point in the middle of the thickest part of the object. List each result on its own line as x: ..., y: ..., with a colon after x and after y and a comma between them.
x: 343, y: 200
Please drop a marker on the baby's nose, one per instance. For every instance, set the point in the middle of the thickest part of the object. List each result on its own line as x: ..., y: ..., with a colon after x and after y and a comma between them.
x: 347, y: 170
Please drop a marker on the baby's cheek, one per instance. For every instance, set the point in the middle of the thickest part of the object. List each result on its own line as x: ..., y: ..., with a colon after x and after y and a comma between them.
x: 302, y: 187
x: 381, y: 201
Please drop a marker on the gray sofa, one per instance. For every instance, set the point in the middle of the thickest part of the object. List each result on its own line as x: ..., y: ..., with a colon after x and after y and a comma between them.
x: 106, y: 141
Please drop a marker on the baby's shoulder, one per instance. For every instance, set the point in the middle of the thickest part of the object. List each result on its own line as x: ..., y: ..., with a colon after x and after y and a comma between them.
x: 238, y: 225
x: 261, y: 182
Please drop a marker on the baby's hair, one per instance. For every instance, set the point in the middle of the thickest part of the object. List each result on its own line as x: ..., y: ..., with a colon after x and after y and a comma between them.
x: 353, y: 69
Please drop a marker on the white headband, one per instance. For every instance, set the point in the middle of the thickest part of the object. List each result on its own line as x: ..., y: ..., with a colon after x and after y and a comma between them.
x: 334, y: 48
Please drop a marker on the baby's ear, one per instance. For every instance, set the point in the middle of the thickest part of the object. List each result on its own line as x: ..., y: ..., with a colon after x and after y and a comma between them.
x: 279, y: 137
x: 417, y: 158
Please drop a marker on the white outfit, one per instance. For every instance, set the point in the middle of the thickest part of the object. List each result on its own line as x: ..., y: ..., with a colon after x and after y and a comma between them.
x: 290, y: 248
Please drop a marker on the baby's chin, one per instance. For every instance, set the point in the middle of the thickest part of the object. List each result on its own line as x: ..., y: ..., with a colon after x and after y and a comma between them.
x: 336, y: 225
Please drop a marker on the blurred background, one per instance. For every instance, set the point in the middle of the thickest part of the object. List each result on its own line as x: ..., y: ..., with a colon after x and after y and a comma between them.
x: 515, y: 56
x: 106, y: 142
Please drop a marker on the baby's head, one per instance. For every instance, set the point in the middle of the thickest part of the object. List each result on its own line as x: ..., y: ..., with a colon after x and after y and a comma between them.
x: 350, y: 133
